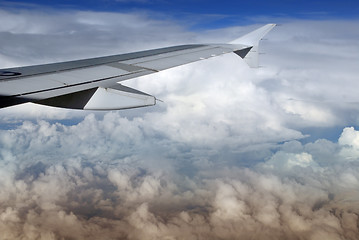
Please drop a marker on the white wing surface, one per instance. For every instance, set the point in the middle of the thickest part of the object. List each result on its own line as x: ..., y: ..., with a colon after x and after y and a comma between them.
x: 93, y: 84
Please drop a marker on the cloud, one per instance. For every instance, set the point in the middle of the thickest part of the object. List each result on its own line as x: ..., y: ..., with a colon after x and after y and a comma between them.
x: 56, y: 185
x: 350, y: 142
x: 37, y: 36
x: 223, y: 157
x: 288, y: 161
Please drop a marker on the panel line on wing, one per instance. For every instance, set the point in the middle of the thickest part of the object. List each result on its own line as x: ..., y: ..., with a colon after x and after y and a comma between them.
x: 73, y: 85
x: 165, y: 62
x: 169, y: 55
x: 126, y: 67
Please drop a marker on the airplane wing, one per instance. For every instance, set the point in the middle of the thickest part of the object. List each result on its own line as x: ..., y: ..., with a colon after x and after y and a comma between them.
x: 93, y: 84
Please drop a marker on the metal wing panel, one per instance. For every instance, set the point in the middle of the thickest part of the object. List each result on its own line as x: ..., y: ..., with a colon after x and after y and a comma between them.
x: 25, y: 85
x: 20, y: 72
x: 165, y: 62
x: 58, y: 91
x: 135, y: 61
x: 84, y: 75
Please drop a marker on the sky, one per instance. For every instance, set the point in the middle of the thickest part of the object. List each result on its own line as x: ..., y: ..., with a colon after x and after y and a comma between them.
x: 232, y: 152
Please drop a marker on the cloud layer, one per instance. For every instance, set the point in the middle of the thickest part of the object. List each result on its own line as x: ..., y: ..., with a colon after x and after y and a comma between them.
x: 66, y: 181
x: 225, y: 157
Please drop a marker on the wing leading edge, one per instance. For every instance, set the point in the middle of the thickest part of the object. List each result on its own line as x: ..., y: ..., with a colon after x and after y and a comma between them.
x: 92, y: 84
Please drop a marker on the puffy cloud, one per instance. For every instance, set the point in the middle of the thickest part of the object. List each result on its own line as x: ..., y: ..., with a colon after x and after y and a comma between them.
x: 288, y: 161
x: 350, y: 142
x: 101, y: 192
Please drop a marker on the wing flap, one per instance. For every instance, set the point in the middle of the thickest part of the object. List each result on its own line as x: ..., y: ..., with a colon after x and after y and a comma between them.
x: 119, y: 97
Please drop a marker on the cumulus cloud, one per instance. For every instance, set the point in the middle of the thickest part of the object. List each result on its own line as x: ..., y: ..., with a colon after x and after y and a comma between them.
x: 350, y: 142
x: 222, y: 158
x: 96, y: 178
x: 286, y: 161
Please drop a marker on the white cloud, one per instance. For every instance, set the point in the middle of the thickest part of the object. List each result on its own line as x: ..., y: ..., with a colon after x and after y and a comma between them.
x: 288, y: 161
x: 349, y: 140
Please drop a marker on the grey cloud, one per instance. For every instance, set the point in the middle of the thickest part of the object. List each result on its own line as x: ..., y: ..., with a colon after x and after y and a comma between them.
x: 35, y: 36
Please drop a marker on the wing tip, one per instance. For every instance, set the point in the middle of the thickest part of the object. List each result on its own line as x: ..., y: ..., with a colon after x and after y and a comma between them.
x: 253, y: 38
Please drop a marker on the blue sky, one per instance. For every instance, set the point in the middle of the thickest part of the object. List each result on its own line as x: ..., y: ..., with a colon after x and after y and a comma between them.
x: 339, y: 9
x: 232, y: 152
x: 216, y: 13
